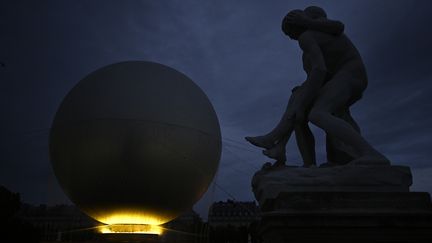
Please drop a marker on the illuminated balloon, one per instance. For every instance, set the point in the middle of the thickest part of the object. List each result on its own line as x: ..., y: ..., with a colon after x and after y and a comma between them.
x: 135, y: 143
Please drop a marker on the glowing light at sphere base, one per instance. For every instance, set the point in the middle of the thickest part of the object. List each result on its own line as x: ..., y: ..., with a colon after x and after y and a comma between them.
x: 131, y: 229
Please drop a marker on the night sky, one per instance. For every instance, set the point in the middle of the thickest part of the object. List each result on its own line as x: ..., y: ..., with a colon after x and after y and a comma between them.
x: 235, y: 51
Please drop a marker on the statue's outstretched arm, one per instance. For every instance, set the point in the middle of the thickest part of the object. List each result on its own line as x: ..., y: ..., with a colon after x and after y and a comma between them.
x: 322, y: 24
x: 333, y: 27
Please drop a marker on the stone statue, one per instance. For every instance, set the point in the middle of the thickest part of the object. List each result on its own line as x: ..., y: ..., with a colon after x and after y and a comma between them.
x: 336, y: 79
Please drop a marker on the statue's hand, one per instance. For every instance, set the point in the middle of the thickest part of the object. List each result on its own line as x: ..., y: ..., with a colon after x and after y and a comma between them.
x: 298, y: 18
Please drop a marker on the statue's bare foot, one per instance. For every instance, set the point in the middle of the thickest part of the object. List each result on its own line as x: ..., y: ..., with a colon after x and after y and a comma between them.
x: 277, y: 152
x: 266, y: 166
x: 374, y: 159
x: 278, y: 164
x: 260, y: 141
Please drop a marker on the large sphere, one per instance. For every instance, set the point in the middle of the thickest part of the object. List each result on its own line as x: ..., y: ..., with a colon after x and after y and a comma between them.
x: 135, y: 143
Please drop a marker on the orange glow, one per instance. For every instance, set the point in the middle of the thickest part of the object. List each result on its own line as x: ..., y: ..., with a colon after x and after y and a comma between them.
x: 131, y: 229
x: 132, y: 218
x: 131, y: 222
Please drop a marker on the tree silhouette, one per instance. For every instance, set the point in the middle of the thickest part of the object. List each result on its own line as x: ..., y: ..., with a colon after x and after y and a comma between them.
x: 12, y: 228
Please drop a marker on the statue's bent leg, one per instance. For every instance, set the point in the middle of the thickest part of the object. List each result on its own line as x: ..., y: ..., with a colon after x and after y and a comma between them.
x: 305, y: 142
x: 339, y: 153
x: 282, y: 130
x: 334, y: 96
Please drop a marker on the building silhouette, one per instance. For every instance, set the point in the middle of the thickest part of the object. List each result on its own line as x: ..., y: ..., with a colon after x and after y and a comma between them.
x: 60, y: 222
x: 232, y: 222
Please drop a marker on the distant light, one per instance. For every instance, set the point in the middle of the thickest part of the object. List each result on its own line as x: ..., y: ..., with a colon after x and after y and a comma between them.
x: 131, y: 229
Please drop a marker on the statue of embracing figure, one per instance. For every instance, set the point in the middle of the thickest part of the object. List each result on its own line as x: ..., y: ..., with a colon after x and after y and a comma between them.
x: 336, y: 79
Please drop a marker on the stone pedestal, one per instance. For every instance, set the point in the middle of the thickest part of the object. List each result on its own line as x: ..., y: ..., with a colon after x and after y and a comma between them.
x: 341, y: 204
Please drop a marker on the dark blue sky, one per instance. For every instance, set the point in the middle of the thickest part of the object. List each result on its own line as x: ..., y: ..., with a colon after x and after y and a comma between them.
x: 234, y: 50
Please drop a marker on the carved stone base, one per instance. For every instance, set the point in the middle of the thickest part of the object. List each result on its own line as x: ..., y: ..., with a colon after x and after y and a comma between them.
x: 338, y: 227
x: 267, y: 184
x: 341, y: 204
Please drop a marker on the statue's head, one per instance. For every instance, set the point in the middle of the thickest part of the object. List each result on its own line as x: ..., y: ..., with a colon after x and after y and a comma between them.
x: 295, y: 30
x: 291, y: 29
